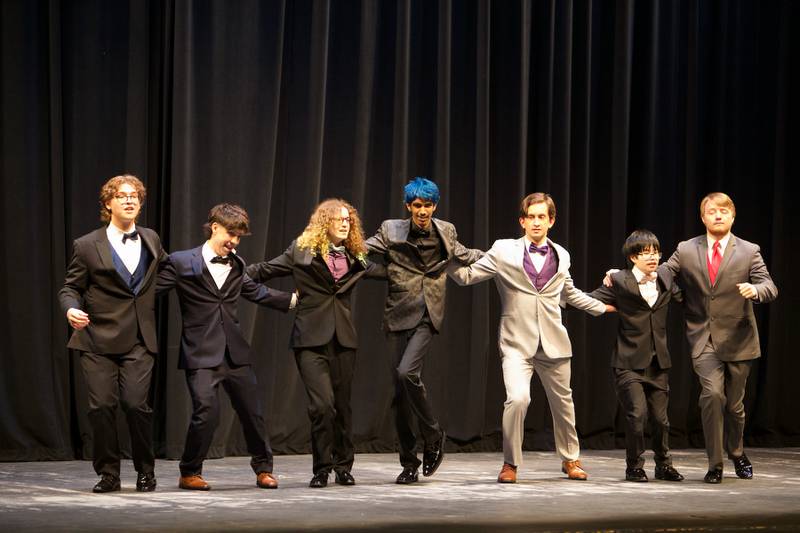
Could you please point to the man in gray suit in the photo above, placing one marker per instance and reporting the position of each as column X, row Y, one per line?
column 416, row 252
column 722, row 276
column 533, row 279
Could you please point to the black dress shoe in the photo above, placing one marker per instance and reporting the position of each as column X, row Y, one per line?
column 407, row 476
column 743, row 467
column 345, row 478
column 146, row 482
column 668, row 473
column 319, row 480
column 713, row 476
column 107, row 483
column 432, row 458
column 635, row 474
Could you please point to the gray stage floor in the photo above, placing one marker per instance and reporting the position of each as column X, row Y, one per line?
column 462, row 496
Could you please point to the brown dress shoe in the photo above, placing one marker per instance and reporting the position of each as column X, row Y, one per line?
column 573, row 470
column 265, row 480
column 193, row 483
column 508, row 474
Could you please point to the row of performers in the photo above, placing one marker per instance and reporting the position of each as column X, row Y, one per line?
column 117, row 270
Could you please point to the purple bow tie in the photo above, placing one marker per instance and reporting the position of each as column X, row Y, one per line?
column 543, row 249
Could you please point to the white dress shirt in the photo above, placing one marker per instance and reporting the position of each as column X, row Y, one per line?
column 723, row 242
column 218, row 271
column 648, row 289
column 128, row 252
column 536, row 258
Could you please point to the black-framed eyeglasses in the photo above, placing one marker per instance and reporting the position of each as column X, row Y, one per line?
column 121, row 196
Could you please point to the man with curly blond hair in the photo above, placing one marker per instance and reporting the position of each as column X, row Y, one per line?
column 416, row 251
column 109, row 299
column 326, row 261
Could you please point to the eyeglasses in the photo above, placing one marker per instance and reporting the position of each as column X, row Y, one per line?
column 648, row 255
column 121, row 196
column 339, row 220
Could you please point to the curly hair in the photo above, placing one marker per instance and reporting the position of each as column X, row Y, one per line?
column 315, row 237
column 110, row 188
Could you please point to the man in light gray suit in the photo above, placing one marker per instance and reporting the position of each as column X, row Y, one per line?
column 722, row 276
column 416, row 252
column 532, row 276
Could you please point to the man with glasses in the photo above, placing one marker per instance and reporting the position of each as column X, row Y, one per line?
column 533, row 279
column 640, row 359
column 109, row 298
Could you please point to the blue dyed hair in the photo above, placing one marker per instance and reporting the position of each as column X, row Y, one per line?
column 421, row 188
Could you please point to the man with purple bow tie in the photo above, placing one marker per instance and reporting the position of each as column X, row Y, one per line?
column 533, row 279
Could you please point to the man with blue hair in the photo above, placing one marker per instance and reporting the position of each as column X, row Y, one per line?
column 416, row 251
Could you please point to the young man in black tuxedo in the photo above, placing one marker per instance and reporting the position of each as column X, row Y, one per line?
column 109, row 298
column 326, row 261
column 209, row 280
column 640, row 359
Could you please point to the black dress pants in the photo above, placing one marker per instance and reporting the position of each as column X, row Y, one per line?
column 411, row 403
column 327, row 372
column 240, row 384
column 120, row 380
column 644, row 394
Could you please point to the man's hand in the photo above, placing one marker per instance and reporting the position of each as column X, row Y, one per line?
column 77, row 318
column 747, row 290
column 610, row 309
column 607, row 280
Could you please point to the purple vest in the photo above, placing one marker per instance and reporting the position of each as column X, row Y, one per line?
column 540, row 279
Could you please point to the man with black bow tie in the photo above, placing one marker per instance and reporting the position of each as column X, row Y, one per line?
column 640, row 359
column 109, row 298
column 532, row 277
column 416, row 252
column 209, row 280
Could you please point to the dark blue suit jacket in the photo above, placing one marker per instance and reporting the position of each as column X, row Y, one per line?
column 210, row 320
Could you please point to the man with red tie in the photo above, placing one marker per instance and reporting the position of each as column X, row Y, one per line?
column 722, row 276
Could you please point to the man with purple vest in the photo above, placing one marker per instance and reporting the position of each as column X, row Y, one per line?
column 533, row 279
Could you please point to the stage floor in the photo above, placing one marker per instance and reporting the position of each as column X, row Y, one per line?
column 462, row 496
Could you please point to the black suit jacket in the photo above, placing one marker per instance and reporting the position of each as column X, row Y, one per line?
column 413, row 287
column 118, row 317
column 210, row 319
column 642, row 329
column 324, row 306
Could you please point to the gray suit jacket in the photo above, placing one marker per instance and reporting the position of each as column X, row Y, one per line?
column 412, row 288
column 720, row 311
column 528, row 316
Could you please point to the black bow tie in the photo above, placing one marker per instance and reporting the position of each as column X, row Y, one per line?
column 227, row 260
column 538, row 249
column 134, row 236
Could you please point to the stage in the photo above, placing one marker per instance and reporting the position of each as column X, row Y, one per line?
column 462, row 496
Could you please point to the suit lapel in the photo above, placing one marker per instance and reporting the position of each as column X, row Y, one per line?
column 559, row 264
column 727, row 257
column 519, row 251
column 103, row 246
column 153, row 253
column 202, row 273
column 702, row 258
column 448, row 246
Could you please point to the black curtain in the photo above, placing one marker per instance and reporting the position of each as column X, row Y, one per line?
column 626, row 112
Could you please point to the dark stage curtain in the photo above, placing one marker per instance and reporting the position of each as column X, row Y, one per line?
column 626, row 112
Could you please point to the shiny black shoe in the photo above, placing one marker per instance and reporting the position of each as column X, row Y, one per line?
column 319, row 480
column 635, row 474
column 345, row 478
column 432, row 458
column 714, row 476
column 107, row 483
column 146, row 482
column 668, row 473
column 743, row 467
column 408, row 476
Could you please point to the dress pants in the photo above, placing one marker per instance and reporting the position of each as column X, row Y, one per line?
column 555, row 374
column 327, row 372
column 120, row 379
column 240, row 384
column 409, row 349
column 644, row 394
column 721, row 404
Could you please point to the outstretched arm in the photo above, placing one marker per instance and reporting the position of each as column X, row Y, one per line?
column 481, row 270
column 274, row 268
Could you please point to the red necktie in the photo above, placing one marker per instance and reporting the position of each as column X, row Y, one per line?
column 713, row 265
